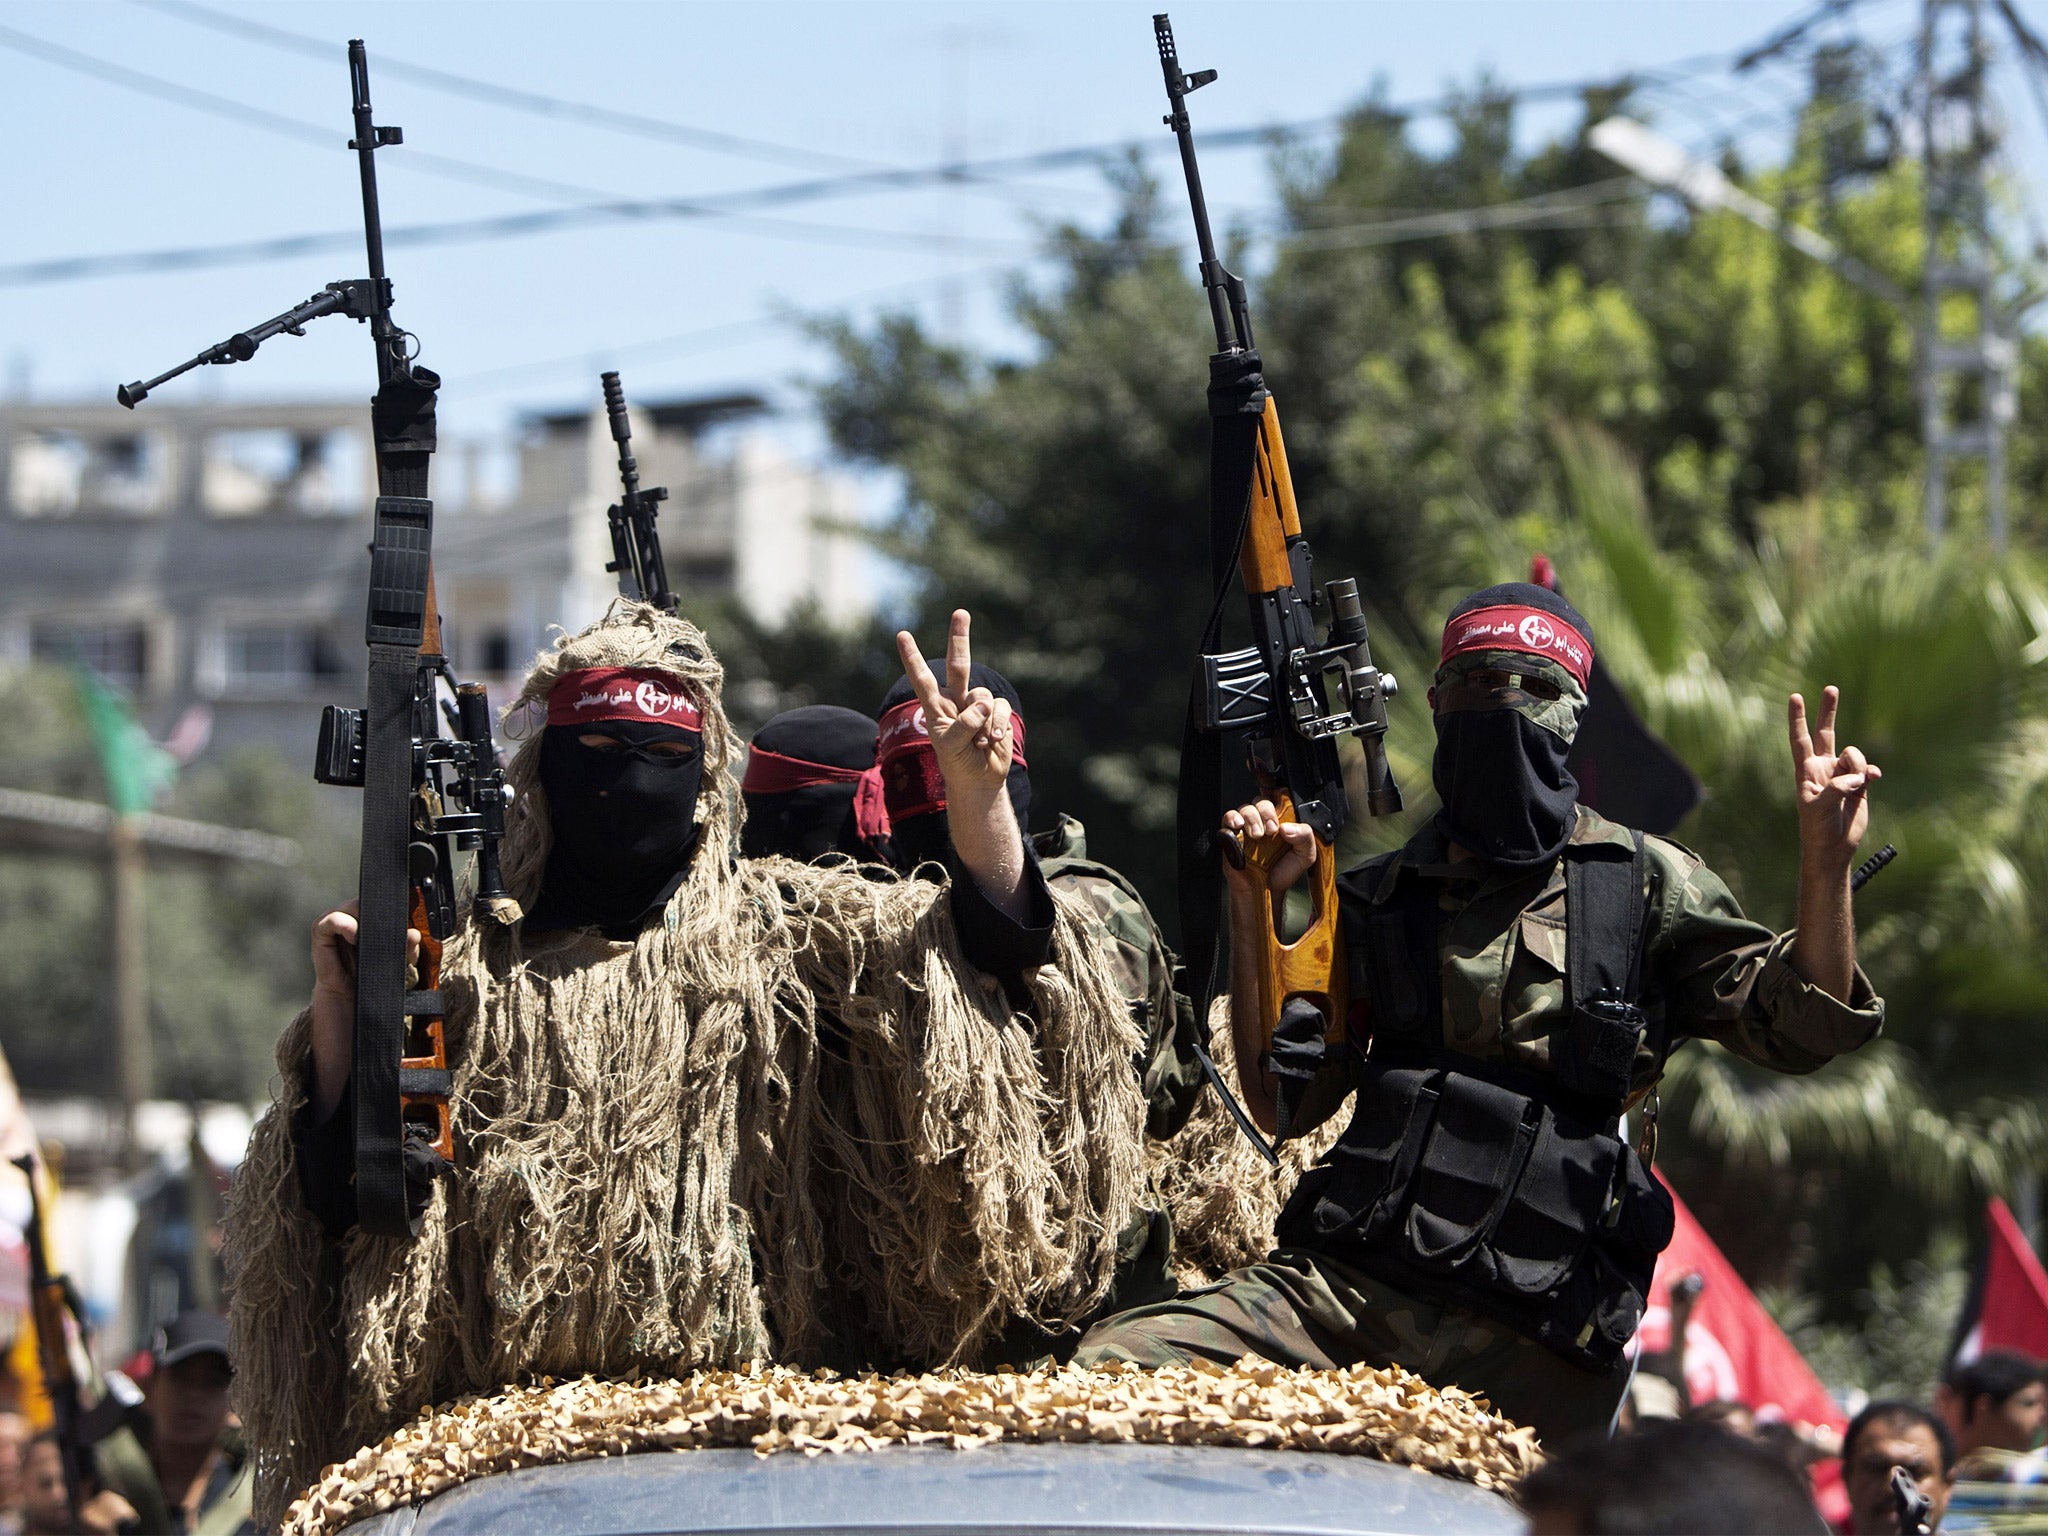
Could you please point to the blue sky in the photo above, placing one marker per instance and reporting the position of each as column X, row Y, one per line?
column 684, row 307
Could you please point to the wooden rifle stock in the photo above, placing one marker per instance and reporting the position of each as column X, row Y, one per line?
column 1313, row 965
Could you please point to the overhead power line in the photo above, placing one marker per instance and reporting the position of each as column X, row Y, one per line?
column 538, row 103
column 1794, row 33
column 728, row 205
column 556, row 108
column 276, row 122
column 430, row 163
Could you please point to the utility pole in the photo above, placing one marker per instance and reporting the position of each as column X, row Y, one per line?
column 135, row 1062
column 1958, row 136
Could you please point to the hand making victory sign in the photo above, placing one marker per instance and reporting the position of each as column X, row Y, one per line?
column 1833, row 796
column 973, row 738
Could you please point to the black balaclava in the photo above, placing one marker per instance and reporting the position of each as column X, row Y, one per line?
column 811, row 787
column 624, row 823
column 1500, row 772
column 910, row 769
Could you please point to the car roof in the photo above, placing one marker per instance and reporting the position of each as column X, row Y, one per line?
column 1008, row 1487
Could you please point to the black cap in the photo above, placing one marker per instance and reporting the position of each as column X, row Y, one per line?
column 190, row 1333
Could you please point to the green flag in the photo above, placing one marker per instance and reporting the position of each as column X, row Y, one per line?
column 137, row 770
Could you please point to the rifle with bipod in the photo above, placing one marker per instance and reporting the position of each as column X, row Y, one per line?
column 426, row 797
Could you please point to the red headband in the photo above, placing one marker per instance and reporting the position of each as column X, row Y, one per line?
column 1511, row 627
column 621, row 693
column 910, row 766
column 770, row 773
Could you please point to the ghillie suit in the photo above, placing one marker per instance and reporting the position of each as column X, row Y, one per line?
column 640, row 1182
column 1224, row 1197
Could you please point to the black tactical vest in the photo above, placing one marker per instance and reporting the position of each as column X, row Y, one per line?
column 1471, row 1181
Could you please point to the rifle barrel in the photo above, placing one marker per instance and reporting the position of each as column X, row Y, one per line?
column 1178, row 85
column 622, row 433
column 390, row 356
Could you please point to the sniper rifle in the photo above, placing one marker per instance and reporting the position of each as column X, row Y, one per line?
column 1275, row 690
column 636, row 547
column 411, row 776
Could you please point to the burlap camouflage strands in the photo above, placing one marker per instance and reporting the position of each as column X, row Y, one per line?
column 1223, row 1197
column 1143, row 967
column 791, row 1090
column 1360, row 1411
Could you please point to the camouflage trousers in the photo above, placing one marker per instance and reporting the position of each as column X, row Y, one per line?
column 1301, row 1308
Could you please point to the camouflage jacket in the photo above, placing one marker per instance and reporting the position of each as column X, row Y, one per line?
column 1145, row 969
column 1708, row 972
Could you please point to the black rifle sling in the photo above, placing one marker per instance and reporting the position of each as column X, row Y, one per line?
column 403, row 419
column 1605, row 905
column 1237, row 403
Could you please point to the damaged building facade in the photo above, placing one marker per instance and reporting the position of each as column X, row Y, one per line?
column 210, row 558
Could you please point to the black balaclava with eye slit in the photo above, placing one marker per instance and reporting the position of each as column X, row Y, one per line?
column 1500, row 773
column 624, row 822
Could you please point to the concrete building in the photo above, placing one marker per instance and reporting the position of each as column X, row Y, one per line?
column 743, row 518
column 210, row 557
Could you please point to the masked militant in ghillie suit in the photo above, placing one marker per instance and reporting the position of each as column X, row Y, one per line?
column 1519, row 973
column 698, row 1100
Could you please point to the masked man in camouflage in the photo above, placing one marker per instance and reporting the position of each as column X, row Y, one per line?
column 812, row 790
column 1126, row 937
column 1519, row 973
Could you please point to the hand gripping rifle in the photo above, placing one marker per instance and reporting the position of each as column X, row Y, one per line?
column 636, row 547
column 425, row 796
column 55, row 1308
column 1275, row 689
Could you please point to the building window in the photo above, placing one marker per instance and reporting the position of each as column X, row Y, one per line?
column 494, row 653
column 252, row 473
column 704, row 570
column 57, row 473
column 117, row 651
column 273, row 657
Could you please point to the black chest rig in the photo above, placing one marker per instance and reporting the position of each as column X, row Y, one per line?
column 1505, row 1190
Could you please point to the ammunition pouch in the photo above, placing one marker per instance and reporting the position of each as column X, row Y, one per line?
column 1461, row 1186
column 1506, row 1190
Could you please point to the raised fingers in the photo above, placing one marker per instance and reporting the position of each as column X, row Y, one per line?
column 1824, row 729
column 1802, row 742
column 959, row 656
column 921, row 680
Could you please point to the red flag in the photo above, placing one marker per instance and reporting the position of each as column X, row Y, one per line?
column 2008, row 1306
column 1733, row 1350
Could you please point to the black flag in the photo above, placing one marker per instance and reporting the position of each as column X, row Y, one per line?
column 1624, row 772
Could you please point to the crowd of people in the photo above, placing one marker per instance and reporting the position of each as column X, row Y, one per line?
column 1905, row 1467
column 165, row 1457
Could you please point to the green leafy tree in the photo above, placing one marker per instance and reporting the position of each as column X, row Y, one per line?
column 225, row 943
